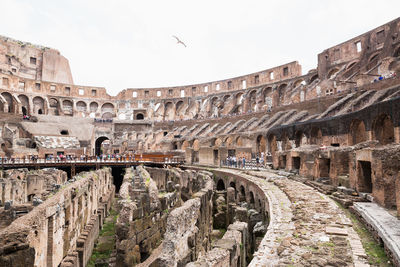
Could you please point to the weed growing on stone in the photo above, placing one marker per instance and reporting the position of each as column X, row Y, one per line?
column 106, row 240
column 375, row 253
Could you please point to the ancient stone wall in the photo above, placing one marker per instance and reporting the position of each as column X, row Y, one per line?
column 60, row 231
column 19, row 186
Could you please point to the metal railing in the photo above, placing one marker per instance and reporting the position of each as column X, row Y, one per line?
column 90, row 160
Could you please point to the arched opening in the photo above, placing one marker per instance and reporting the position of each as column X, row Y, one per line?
column 9, row 99
column 99, row 141
column 357, row 132
column 316, row 136
column 239, row 141
column 54, row 107
column 252, row 101
column 281, row 93
column 252, row 201
column 179, row 108
column 185, row 145
column 233, row 185
column 81, row 106
column 174, row 145
column 24, row 111
column 107, row 110
column 139, row 116
column 261, row 144
column 332, row 72
column 68, row 107
column 373, row 61
column 40, row 111
column 220, row 185
column 64, row 132
column 93, row 107
column 351, row 65
column 300, row 139
column 242, row 193
column 313, row 78
column 169, row 113
column 383, row 129
column 25, row 104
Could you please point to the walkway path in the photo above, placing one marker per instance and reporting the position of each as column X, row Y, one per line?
column 307, row 228
column 386, row 225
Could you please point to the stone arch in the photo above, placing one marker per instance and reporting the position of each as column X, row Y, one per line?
column 81, row 106
column 38, row 105
column 107, row 115
column 351, row 64
column 24, row 104
column 10, row 101
column 229, row 141
column 298, row 82
column 313, row 78
column 219, row 142
column 68, row 107
column 196, row 145
column 332, row 72
column 169, row 111
column 98, row 143
column 220, row 185
column 232, row 184
column 252, row 199
column 226, row 97
column 383, row 130
column 239, row 102
column 242, row 193
column 93, row 106
column 54, row 107
column 316, row 136
column 185, row 144
column 281, row 93
column 239, row 141
column 252, row 100
column 357, row 132
column 373, row 61
column 261, row 144
column 140, row 116
column 107, row 107
column 179, row 108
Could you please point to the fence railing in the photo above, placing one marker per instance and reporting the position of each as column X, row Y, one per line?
column 144, row 159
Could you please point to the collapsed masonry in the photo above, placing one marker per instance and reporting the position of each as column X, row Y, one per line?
column 60, row 231
column 183, row 211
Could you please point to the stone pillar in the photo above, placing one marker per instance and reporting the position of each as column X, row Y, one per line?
column 30, row 106
column 397, row 135
column 397, row 193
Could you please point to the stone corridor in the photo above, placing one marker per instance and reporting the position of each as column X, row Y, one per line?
column 306, row 227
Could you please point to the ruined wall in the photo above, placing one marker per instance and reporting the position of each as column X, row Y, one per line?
column 230, row 250
column 143, row 216
column 60, row 231
column 19, row 186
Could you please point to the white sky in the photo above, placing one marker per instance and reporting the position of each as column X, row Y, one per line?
column 128, row 44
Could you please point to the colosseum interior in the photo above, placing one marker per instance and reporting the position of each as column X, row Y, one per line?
column 274, row 168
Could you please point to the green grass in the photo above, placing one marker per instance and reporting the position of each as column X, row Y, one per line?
column 375, row 253
column 104, row 249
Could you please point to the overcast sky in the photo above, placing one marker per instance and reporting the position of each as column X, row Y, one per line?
column 128, row 44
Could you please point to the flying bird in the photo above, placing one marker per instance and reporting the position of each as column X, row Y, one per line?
column 179, row 41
